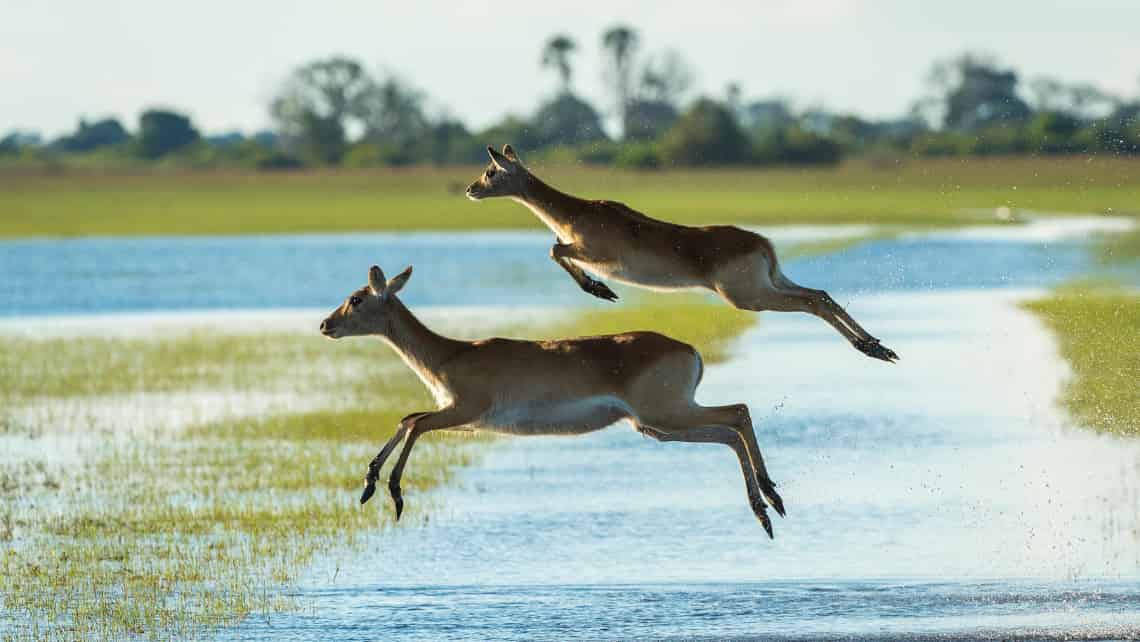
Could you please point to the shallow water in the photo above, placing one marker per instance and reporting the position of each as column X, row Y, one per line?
column 58, row 277
column 942, row 497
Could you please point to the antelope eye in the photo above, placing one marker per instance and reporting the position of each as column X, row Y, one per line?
column 354, row 301
column 490, row 172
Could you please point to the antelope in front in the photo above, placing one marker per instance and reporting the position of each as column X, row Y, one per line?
column 612, row 240
column 560, row 387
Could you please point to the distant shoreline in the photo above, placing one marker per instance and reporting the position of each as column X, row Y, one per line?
column 922, row 193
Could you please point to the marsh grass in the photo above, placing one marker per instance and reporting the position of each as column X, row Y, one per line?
column 1121, row 248
column 173, row 532
column 1098, row 325
column 197, row 360
column 912, row 192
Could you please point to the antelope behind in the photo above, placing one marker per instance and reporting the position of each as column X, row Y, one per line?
column 558, row 387
column 612, row 240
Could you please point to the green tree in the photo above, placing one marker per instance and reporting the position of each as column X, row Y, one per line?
column 556, row 55
column 706, row 134
column 1052, row 132
column 16, row 140
column 620, row 43
column 324, row 140
column 567, row 120
column 648, row 119
column 451, row 143
column 975, row 94
column 665, row 79
column 162, row 131
column 763, row 117
column 519, row 132
column 89, row 136
column 318, row 104
column 393, row 114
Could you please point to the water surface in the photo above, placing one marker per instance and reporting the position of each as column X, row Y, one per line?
column 132, row 274
column 942, row 497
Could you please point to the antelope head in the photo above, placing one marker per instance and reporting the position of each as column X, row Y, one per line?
column 504, row 176
column 369, row 309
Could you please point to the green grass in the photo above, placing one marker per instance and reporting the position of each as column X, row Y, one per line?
column 1098, row 326
column 172, row 532
column 194, row 361
column 1122, row 248
column 914, row 192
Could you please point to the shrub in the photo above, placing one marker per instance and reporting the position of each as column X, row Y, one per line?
column 707, row 134
column 639, row 156
column 598, row 153
column 161, row 132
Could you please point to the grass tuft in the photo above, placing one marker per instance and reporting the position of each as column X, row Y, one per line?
column 1098, row 325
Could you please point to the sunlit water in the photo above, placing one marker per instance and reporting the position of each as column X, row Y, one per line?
column 942, row 497
column 115, row 275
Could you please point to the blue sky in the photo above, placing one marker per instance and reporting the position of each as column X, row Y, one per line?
column 222, row 61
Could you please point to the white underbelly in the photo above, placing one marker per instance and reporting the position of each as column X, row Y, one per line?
column 644, row 272
column 554, row 417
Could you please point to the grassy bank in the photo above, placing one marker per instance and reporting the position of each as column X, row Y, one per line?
column 913, row 192
column 1122, row 248
column 1098, row 326
column 115, row 526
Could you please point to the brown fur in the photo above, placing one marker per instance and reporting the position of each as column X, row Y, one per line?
column 611, row 239
column 561, row 386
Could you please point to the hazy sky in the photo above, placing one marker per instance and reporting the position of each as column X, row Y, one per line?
column 221, row 61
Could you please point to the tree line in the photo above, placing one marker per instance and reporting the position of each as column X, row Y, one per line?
column 335, row 112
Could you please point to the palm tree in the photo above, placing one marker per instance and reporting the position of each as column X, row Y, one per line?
column 620, row 41
column 556, row 54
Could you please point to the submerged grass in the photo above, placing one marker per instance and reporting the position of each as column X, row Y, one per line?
column 910, row 192
column 171, row 533
column 1098, row 326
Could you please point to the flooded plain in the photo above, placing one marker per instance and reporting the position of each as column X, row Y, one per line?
column 946, row 496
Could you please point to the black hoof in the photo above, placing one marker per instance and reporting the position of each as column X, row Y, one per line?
column 775, row 500
column 369, row 490
column 872, row 348
column 600, row 290
column 761, row 513
column 399, row 507
column 766, row 523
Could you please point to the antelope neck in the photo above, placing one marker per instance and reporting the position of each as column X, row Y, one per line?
column 557, row 210
column 422, row 349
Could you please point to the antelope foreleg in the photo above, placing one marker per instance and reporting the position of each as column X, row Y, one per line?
column 378, row 461
column 562, row 254
column 421, row 424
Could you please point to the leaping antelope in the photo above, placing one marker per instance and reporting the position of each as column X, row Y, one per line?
column 559, row 387
column 612, row 240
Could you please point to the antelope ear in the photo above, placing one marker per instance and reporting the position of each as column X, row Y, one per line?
column 500, row 161
column 397, row 282
column 509, row 152
column 376, row 280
